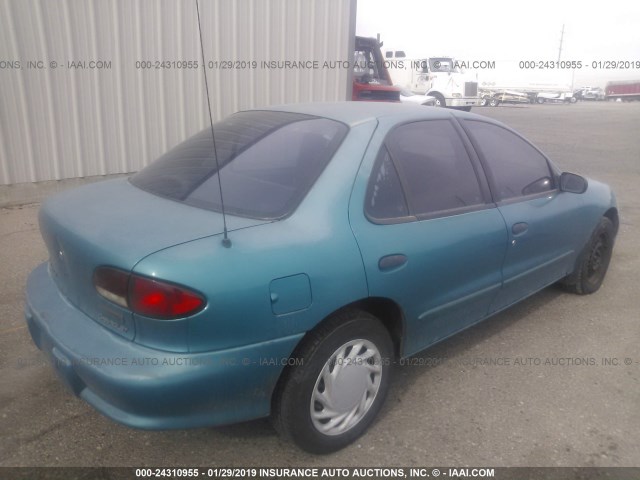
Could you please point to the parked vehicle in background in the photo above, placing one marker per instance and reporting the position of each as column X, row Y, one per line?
column 406, row 96
column 550, row 90
column 623, row 90
column 593, row 93
column 589, row 93
column 493, row 98
column 438, row 77
column 371, row 80
column 558, row 97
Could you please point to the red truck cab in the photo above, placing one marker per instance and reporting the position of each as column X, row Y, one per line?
column 371, row 80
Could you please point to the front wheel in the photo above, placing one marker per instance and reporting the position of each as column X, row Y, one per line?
column 593, row 261
column 330, row 398
column 494, row 102
column 440, row 102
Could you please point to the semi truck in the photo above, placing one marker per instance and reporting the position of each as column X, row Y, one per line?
column 589, row 93
column 623, row 90
column 438, row 77
column 371, row 80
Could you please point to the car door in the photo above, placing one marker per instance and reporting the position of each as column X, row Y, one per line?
column 430, row 238
column 541, row 221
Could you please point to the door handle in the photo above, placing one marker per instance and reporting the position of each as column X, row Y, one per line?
column 389, row 262
column 519, row 228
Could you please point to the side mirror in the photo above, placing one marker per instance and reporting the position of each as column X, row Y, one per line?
column 572, row 183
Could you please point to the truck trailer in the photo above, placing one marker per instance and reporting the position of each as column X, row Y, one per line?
column 625, row 90
column 518, row 93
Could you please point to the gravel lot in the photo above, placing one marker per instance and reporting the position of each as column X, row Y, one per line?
column 443, row 409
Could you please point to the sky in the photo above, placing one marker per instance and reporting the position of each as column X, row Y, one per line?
column 510, row 32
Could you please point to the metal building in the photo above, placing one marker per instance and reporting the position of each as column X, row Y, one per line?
column 92, row 87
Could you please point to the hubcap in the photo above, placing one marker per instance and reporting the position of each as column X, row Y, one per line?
column 346, row 387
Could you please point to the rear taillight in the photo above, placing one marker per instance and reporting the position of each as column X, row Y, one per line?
column 157, row 299
column 146, row 296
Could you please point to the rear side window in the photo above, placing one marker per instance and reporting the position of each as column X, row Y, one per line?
column 385, row 198
column 434, row 166
column 268, row 162
column 517, row 168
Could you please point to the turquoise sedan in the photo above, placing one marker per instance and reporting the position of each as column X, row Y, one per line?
column 283, row 268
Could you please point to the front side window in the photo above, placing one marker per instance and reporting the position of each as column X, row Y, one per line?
column 268, row 162
column 517, row 168
column 436, row 172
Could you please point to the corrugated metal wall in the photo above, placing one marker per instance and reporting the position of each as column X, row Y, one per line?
column 59, row 121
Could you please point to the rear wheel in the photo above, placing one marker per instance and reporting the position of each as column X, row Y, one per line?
column 593, row 261
column 494, row 102
column 331, row 398
column 540, row 100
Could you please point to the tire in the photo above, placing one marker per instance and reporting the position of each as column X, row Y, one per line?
column 573, row 100
column 494, row 102
column 540, row 100
column 484, row 101
column 440, row 102
column 593, row 262
column 301, row 410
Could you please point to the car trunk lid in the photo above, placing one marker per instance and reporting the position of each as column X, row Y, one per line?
column 114, row 223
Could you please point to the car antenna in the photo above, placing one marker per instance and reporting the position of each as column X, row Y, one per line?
column 225, row 239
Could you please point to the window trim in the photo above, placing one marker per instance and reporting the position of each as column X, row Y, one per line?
column 477, row 167
column 553, row 171
column 376, row 165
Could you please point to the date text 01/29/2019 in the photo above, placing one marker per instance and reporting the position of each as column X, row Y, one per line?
column 579, row 65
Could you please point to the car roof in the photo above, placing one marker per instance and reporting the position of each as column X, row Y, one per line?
column 353, row 113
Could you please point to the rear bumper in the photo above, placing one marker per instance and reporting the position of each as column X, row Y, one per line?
column 146, row 388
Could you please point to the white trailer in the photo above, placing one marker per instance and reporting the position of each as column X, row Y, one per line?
column 537, row 88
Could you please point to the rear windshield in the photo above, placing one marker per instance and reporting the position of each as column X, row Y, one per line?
column 268, row 162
